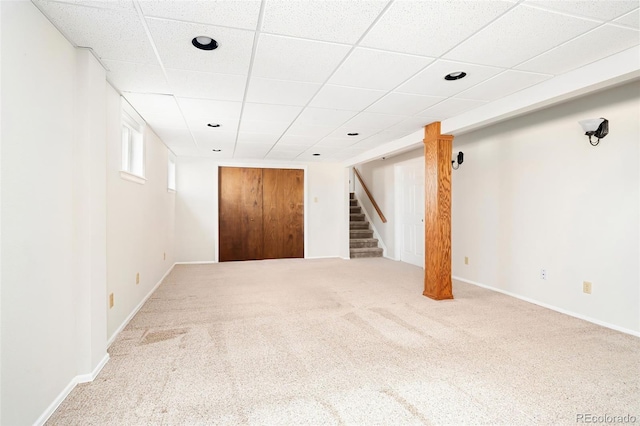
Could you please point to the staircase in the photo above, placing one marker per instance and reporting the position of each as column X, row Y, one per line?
column 361, row 241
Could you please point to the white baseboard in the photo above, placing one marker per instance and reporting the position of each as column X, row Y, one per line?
column 137, row 308
column 85, row 378
column 322, row 257
column 553, row 308
column 200, row 262
column 82, row 378
column 56, row 403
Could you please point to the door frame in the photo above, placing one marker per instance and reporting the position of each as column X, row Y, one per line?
column 397, row 200
column 258, row 165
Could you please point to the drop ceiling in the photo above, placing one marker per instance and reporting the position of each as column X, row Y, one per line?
column 291, row 78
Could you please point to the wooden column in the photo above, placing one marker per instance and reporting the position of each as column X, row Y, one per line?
column 437, row 213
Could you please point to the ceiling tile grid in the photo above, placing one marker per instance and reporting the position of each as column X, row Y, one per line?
column 518, row 36
column 287, row 58
column 336, row 21
column 431, row 28
column 113, row 33
column 290, row 79
column 204, row 85
column 236, row 14
column 173, row 41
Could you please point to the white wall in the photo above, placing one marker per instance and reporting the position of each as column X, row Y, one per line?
column 140, row 221
column 379, row 176
column 197, row 209
column 533, row 194
column 38, row 313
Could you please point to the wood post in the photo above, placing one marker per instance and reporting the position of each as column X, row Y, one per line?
column 437, row 213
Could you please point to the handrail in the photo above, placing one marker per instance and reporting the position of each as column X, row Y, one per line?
column 375, row 205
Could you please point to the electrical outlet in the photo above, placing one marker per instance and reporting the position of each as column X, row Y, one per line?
column 466, row 260
column 543, row 274
column 111, row 300
column 138, row 278
column 586, row 287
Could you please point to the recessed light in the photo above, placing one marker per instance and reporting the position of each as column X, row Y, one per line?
column 213, row 125
column 316, row 155
column 353, row 134
column 455, row 75
column 216, row 150
column 204, row 43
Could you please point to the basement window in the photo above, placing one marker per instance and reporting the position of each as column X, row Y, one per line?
column 171, row 175
column 132, row 145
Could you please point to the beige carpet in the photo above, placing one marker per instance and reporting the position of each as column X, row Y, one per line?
column 322, row 342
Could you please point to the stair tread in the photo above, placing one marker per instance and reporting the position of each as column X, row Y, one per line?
column 365, row 249
column 363, row 240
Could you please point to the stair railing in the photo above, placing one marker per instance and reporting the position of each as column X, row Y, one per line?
column 373, row 201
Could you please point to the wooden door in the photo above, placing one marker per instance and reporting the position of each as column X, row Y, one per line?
column 261, row 213
column 240, row 214
column 283, row 213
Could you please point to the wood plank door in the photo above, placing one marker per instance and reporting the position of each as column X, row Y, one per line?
column 240, row 214
column 283, row 213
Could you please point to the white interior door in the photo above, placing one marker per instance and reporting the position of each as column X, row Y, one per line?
column 411, row 203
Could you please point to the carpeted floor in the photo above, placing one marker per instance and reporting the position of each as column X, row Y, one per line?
column 322, row 342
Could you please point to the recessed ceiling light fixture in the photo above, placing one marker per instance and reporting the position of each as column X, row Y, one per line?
column 316, row 155
column 353, row 134
column 213, row 125
column 455, row 75
column 204, row 43
column 216, row 150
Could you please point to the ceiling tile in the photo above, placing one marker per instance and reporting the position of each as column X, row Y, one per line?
column 200, row 112
column 294, row 140
column 450, row 107
column 600, row 10
column 263, row 112
column 132, row 77
column 324, row 117
column 251, row 150
column 335, row 142
column 173, row 41
column 267, row 127
column 238, row 14
column 309, row 130
column 348, row 98
column 194, row 84
column 412, row 124
column 599, row 43
column 158, row 110
column 213, row 139
column 263, row 139
column 337, row 21
column 631, row 19
column 280, row 147
column 103, row 4
column 368, row 121
column 403, row 103
column 519, row 35
column 430, row 28
column 114, row 34
column 281, row 155
column 287, row 58
column 374, row 69
column 175, row 139
column 342, row 132
column 502, row 85
column 267, row 91
column 431, row 81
